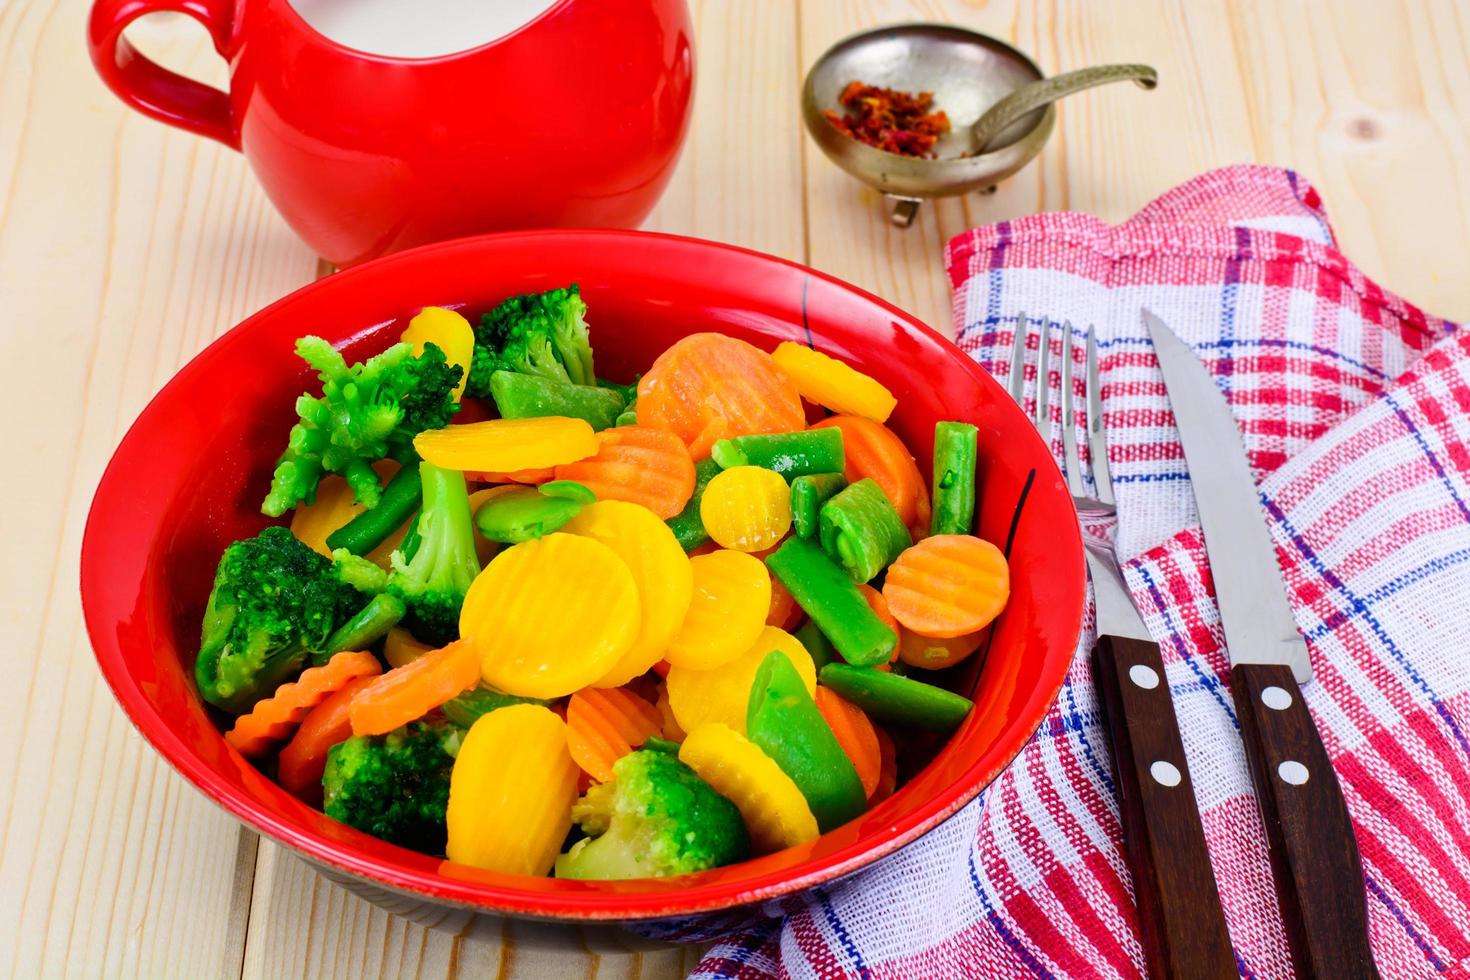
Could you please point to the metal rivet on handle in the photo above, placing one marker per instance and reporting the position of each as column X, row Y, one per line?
column 1144, row 676
column 1276, row 698
column 1293, row 772
column 1165, row 773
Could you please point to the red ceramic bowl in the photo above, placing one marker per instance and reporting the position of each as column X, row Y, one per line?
column 190, row 474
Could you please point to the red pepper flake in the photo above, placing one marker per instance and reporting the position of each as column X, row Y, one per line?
column 899, row 122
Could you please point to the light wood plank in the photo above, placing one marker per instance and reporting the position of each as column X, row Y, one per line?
column 125, row 247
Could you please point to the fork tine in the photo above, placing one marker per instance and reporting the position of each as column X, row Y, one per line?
column 1016, row 382
column 1072, row 464
column 1043, row 382
column 1097, row 447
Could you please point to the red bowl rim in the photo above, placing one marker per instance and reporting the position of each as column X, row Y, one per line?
column 588, row 906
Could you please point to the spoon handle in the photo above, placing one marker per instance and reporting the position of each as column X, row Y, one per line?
column 1029, row 98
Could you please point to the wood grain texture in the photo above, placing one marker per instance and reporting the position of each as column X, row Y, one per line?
column 126, row 246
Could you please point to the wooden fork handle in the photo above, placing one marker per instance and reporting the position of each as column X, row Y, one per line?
column 1180, row 918
column 1314, row 853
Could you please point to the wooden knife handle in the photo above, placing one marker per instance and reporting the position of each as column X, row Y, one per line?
column 1180, row 919
column 1314, row 854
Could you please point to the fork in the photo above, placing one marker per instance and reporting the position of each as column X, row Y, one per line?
column 1180, row 919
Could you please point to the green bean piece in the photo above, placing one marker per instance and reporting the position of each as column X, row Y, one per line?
column 687, row 525
column 570, row 489
column 808, row 494
column 371, row 623
column 783, row 720
column 400, row 498
column 955, row 450
column 655, row 744
column 816, row 644
column 899, row 700
column 523, row 514
column 788, row 453
column 465, row 709
column 826, row 593
column 861, row 531
column 628, row 391
column 526, row 396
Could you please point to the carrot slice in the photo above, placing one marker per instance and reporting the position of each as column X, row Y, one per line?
column 605, row 724
column 709, row 387
column 856, row 734
column 304, row 759
column 784, row 614
column 887, row 769
column 947, row 585
column 411, row 691
column 277, row 716
column 936, row 653
column 538, row 475
column 872, row 450
column 638, row 465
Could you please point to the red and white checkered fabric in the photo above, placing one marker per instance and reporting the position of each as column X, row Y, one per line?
column 1355, row 407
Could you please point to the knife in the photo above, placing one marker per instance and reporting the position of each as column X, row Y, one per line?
column 1314, row 854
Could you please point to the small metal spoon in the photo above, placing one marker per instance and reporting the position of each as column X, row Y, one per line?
column 1028, row 98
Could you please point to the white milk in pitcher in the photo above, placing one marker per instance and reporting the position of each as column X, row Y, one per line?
column 417, row 28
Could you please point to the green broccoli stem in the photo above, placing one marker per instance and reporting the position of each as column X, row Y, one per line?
column 433, row 583
column 400, row 498
column 370, row 625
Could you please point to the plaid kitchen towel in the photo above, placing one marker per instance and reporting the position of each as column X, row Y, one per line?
column 1355, row 407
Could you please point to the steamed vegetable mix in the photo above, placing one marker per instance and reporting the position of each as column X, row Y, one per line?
column 641, row 610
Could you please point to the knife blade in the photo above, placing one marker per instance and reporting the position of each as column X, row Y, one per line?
column 1315, row 861
column 1259, row 626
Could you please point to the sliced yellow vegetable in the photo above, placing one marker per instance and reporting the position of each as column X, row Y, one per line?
column 732, row 595
column 400, row 647
column 699, row 697
column 776, row 814
column 447, row 330
column 551, row 616
column 511, row 792
column 506, row 445
column 334, row 507
column 746, row 508
column 828, row 381
column 660, row 571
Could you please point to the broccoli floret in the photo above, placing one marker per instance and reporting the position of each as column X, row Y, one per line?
column 655, row 818
column 274, row 601
column 367, row 412
column 433, row 583
column 542, row 334
column 394, row 786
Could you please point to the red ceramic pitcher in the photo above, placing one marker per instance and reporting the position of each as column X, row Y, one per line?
column 575, row 118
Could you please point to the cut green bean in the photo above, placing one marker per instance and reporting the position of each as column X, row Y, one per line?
column 816, row 644
column 465, row 709
column 655, row 744
column 523, row 514
column 788, row 453
column 861, row 531
column 525, row 396
column 826, row 593
column 687, row 525
column 368, row 626
column 570, row 489
column 898, row 700
column 400, row 498
column 955, row 449
column 808, row 494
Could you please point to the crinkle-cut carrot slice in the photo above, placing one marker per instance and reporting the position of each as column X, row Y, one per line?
column 731, row 599
column 553, row 615
column 723, row 693
column 873, row 451
column 947, row 585
column 603, row 725
column 887, row 769
column 708, row 387
column 661, row 573
column 856, row 734
column 507, row 445
column 302, row 762
column 936, row 653
column 407, row 693
column 638, row 465
column 775, row 812
column 276, row 718
column 825, row 380
column 543, row 474
column 746, row 508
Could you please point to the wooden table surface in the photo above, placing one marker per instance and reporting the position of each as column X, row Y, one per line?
column 126, row 246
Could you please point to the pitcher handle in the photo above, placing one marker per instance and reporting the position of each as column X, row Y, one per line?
column 151, row 89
